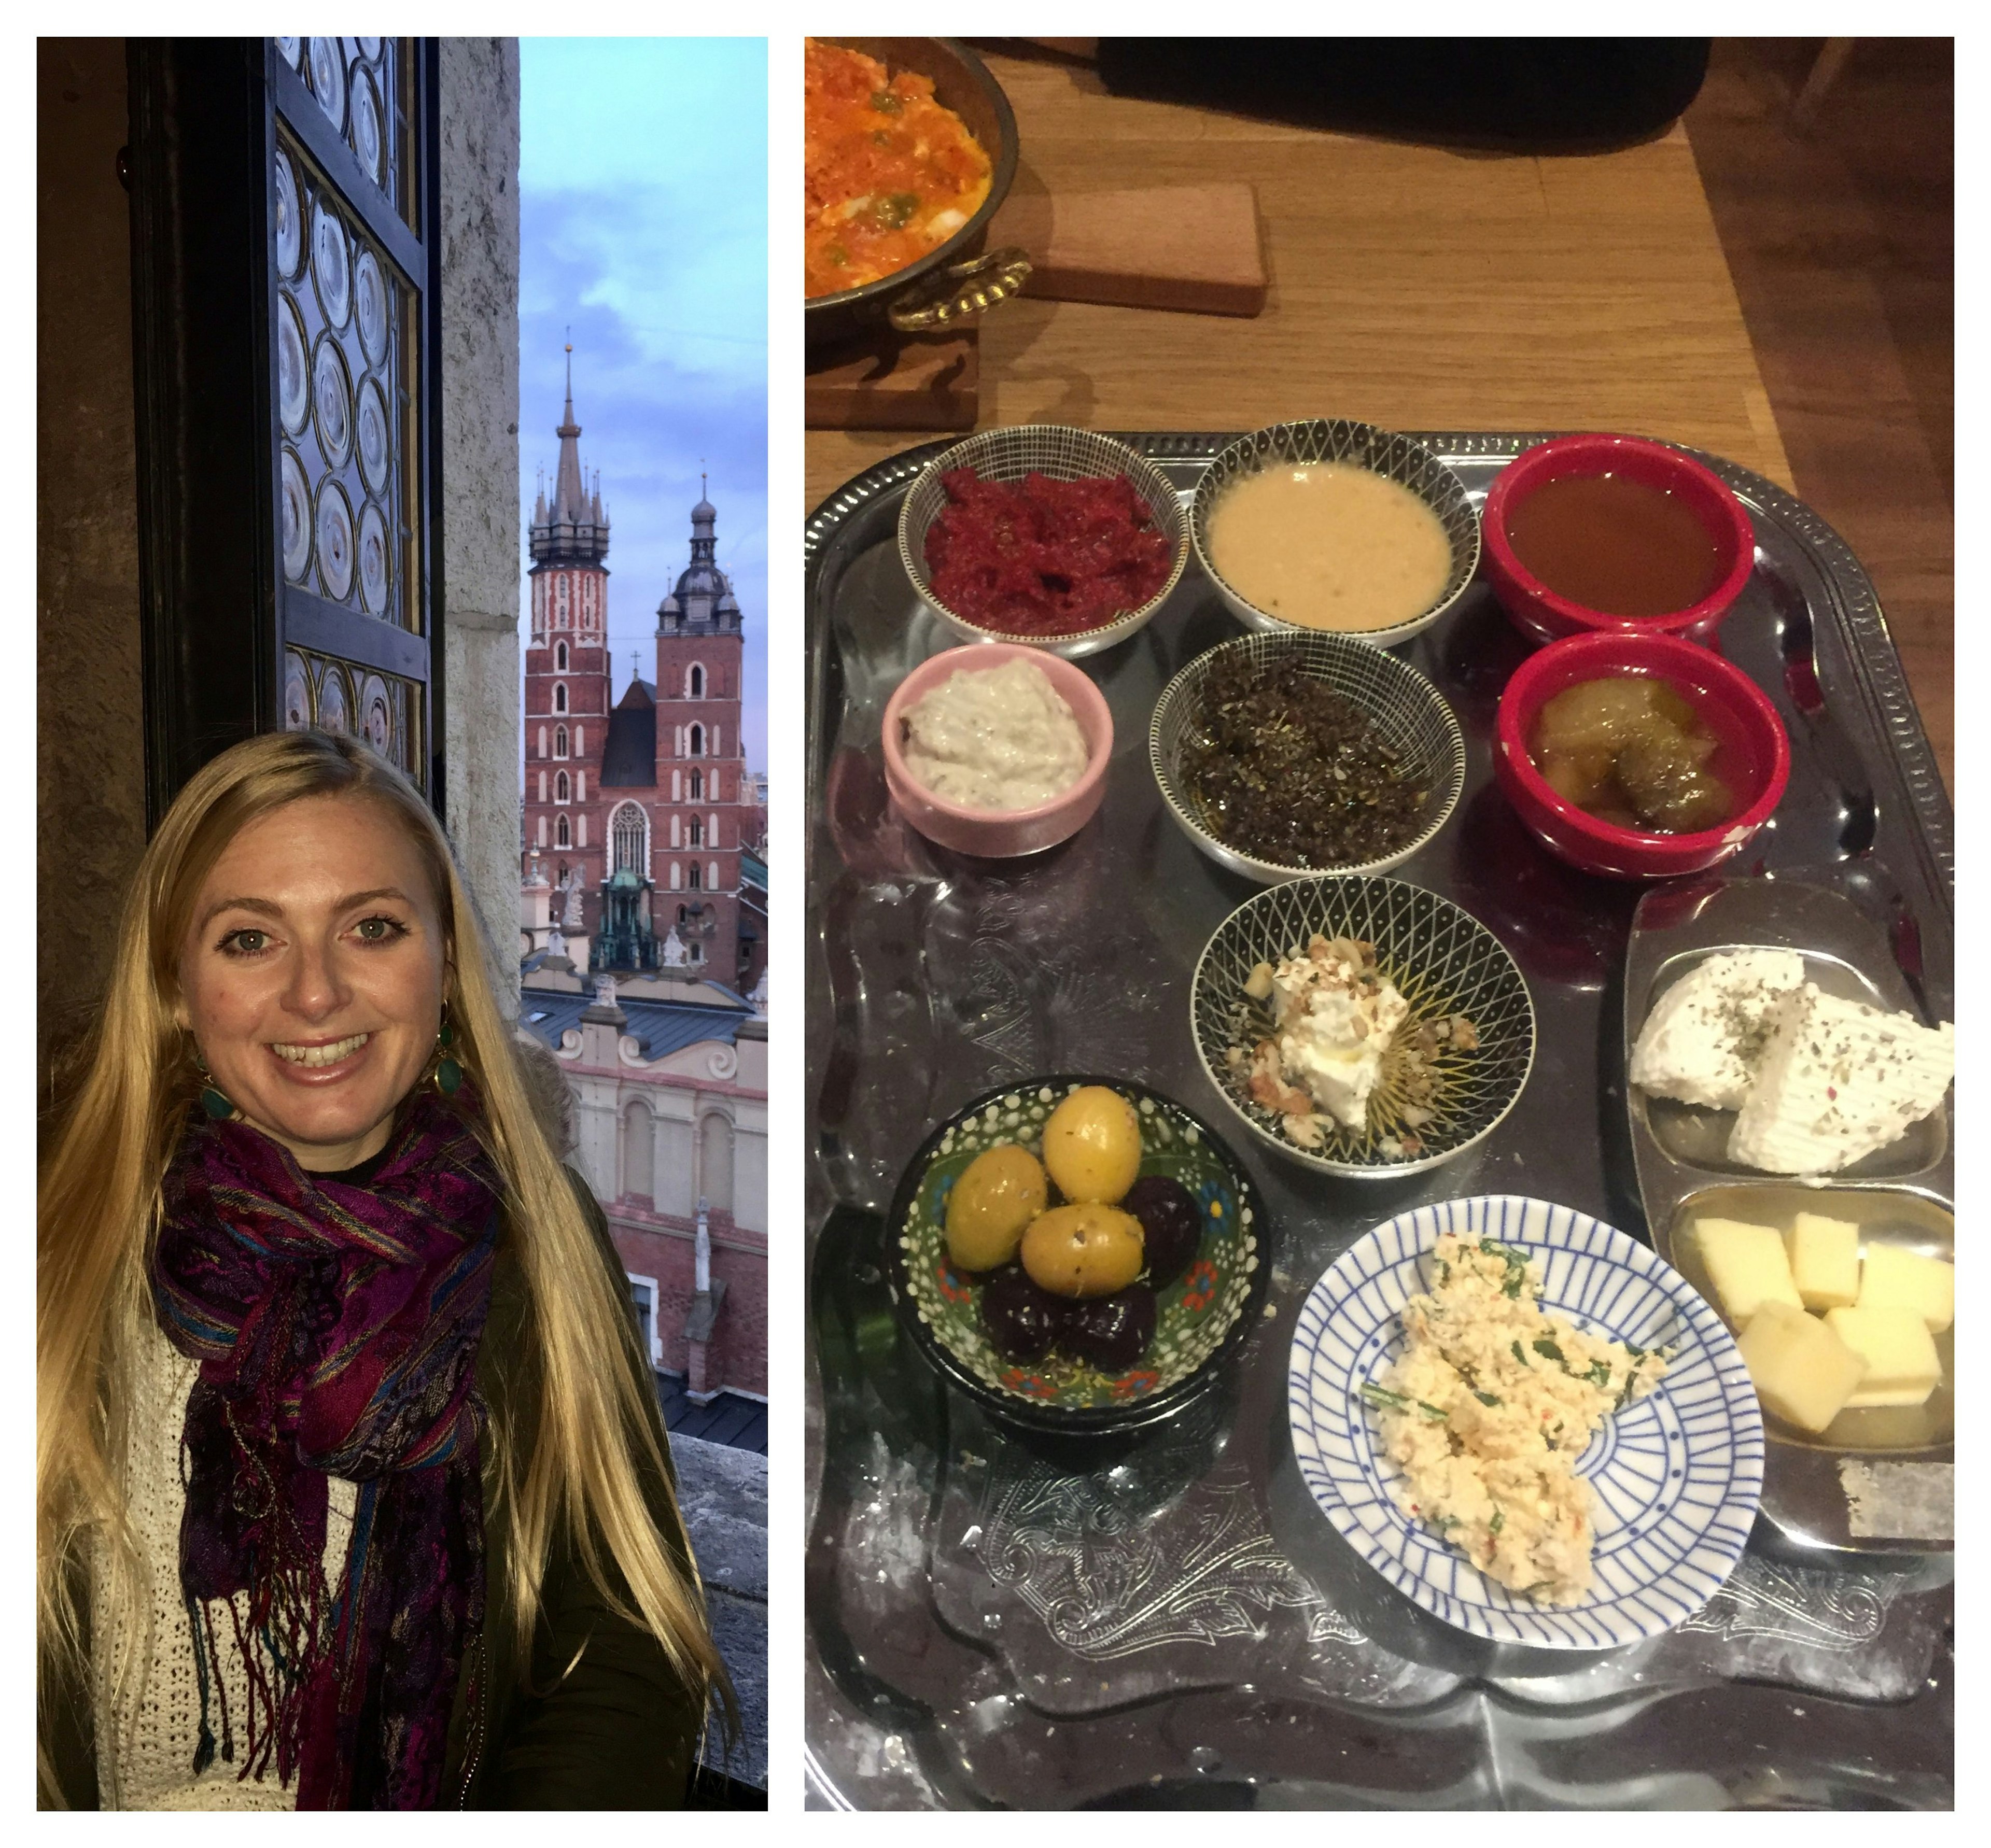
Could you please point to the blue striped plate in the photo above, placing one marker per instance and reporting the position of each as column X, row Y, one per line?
column 1677, row 1476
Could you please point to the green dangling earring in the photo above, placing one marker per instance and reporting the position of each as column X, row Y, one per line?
column 213, row 1100
column 448, row 1073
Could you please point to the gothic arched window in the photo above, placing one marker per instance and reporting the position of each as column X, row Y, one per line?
column 628, row 831
column 697, row 747
column 698, row 785
column 561, row 787
column 696, row 687
column 692, row 877
column 697, row 832
column 559, row 741
column 559, row 658
column 561, row 837
column 559, row 696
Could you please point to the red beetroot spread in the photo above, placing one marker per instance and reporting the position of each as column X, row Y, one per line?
column 1041, row 557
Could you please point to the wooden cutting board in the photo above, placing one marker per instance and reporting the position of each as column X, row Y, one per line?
column 928, row 381
column 1191, row 248
column 1195, row 248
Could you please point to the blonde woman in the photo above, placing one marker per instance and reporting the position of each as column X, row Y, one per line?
column 351, row 1489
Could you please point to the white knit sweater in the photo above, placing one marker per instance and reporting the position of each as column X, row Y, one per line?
column 147, row 1732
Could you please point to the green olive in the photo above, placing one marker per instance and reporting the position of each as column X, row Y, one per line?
column 1087, row 1249
column 997, row 1194
column 1092, row 1145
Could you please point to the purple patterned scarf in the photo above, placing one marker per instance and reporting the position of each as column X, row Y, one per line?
column 337, row 1327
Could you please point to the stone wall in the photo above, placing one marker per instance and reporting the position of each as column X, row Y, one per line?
column 480, row 461
column 90, row 700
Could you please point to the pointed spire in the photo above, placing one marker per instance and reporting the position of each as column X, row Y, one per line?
column 570, row 497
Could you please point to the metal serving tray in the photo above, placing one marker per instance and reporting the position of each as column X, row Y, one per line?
column 1877, row 1481
column 997, row 1620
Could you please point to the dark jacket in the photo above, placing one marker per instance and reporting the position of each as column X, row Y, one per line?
column 620, row 1731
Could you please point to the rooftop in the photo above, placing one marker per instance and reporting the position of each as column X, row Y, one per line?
column 660, row 1027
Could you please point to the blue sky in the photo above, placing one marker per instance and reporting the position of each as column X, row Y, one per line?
column 643, row 210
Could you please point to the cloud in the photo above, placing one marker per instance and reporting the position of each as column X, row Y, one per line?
column 643, row 209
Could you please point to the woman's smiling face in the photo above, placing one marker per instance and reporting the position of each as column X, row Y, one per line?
column 312, row 975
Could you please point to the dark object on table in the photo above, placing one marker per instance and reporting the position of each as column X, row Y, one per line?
column 1171, row 1225
column 1111, row 1332
column 1521, row 96
column 1022, row 1316
column 1287, row 770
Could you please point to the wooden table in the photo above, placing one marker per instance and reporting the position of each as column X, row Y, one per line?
column 1415, row 287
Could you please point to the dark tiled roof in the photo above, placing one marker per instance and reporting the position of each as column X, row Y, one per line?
column 629, row 758
column 660, row 1027
column 731, row 1418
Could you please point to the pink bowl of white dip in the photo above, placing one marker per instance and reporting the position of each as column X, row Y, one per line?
column 999, row 833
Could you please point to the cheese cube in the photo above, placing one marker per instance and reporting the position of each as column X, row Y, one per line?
column 1824, row 1260
column 1893, row 1279
column 1803, row 1372
column 1746, row 1266
column 1902, row 1365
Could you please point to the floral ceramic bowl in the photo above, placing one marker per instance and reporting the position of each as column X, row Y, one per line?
column 1202, row 1315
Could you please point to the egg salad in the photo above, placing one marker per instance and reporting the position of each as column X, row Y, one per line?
column 1487, row 1410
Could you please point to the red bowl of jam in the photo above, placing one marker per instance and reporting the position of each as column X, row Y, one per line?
column 1615, row 534
column 1751, row 756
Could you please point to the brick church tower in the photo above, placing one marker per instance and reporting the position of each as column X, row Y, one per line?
column 673, row 782
column 567, row 683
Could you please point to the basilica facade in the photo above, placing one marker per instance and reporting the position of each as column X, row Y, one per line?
column 642, row 809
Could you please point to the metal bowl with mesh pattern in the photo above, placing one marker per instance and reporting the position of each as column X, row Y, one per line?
column 1441, row 959
column 1399, row 458
column 1411, row 713
column 1064, row 454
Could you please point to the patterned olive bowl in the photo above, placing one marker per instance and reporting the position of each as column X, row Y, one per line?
column 1065, row 454
column 1410, row 712
column 1446, row 963
column 1201, row 1317
column 1398, row 458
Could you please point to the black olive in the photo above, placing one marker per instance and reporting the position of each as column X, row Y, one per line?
column 1022, row 1318
column 1170, row 1224
column 1111, row 1332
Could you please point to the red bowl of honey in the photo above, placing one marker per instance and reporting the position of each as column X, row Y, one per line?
column 1741, row 751
column 1615, row 534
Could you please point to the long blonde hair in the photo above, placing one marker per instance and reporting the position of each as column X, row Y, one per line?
column 577, row 1475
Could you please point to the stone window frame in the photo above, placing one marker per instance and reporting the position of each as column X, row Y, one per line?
column 629, row 806
column 559, row 741
column 638, row 1281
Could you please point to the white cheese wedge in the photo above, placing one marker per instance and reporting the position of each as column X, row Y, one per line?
column 1824, row 1260
column 1746, row 1266
column 1803, row 1372
column 1893, row 1279
column 1837, row 1081
column 1902, row 1368
column 1700, row 1042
